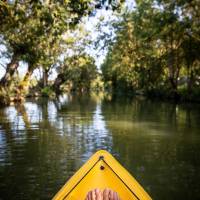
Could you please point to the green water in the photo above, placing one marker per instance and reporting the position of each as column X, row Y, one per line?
column 43, row 142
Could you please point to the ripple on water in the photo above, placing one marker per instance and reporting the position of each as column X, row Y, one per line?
column 43, row 143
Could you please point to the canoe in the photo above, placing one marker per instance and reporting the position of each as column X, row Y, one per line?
column 102, row 171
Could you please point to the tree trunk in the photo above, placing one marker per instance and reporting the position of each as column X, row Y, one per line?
column 174, row 70
column 10, row 70
column 60, row 79
column 174, row 83
column 190, row 81
column 24, row 86
column 45, row 77
column 27, row 77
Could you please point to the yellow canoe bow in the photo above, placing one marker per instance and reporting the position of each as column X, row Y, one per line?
column 102, row 171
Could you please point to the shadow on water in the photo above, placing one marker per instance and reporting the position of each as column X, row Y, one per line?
column 159, row 144
column 43, row 142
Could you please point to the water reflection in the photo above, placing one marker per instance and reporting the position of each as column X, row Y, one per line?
column 161, row 144
column 43, row 142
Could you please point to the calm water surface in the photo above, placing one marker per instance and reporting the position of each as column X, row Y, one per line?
column 43, row 142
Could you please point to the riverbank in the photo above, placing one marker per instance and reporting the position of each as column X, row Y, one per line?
column 180, row 96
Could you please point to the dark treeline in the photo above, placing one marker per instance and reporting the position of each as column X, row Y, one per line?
column 156, row 50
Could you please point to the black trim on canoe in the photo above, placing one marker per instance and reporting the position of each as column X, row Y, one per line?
column 121, row 180
column 102, row 158
column 82, row 178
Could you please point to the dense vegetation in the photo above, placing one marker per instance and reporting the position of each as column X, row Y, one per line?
column 43, row 34
column 156, row 50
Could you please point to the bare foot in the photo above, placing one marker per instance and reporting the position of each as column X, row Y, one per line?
column 95, row 194
column 109, row 194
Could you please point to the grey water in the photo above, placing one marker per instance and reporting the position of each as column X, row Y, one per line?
column 43, row 142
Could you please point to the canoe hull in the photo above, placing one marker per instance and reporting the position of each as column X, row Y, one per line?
column 102, row 171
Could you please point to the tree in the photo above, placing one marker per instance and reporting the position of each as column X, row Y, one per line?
column 79, row 70
column 154, row 44
column 133, row 60
column 33, row 31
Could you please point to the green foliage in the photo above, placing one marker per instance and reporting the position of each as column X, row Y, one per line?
column 35, row 32
column 80, row 70
column 4, row 97
column 156, row 44
column 97, row 84
column 47, row 92
column 193, row 95
column 11, row 94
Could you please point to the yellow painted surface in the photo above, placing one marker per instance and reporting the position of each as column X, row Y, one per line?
column 113, row 176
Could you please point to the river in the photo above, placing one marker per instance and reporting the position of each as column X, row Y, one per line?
column 43, row 142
